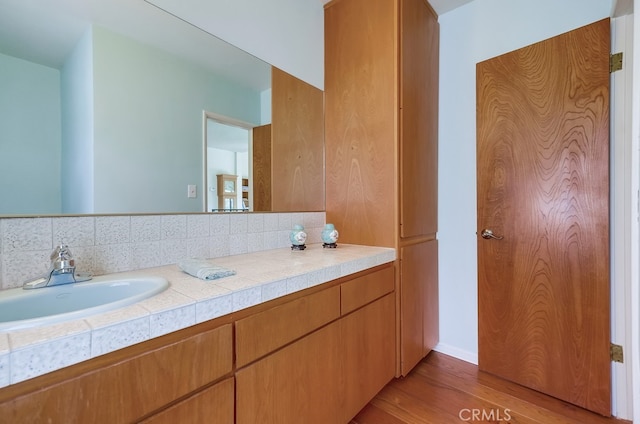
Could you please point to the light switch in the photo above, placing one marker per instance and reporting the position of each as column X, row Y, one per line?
column 191, row 191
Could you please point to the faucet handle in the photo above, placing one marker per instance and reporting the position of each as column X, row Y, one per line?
column 61, row 258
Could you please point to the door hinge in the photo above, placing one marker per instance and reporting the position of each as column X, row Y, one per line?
column 615, row 62
column 616, row 353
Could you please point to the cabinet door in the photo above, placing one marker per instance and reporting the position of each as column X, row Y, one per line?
column 418, row 302
column 419, row 119
column 369, row 353
column 262, row 168
column 297, row 384
column 361, row 111
column 212, row 405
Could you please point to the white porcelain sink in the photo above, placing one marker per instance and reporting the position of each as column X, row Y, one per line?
column 29, row 308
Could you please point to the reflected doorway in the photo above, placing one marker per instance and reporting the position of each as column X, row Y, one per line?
column 227, row 164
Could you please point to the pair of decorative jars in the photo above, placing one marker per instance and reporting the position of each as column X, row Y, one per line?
column 298, row 237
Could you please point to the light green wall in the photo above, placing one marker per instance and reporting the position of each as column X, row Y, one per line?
column 148, row 124
column 29, row 138
column 77, row 128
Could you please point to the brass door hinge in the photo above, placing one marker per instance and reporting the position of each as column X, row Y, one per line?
column 616, row 353
column 615, row 62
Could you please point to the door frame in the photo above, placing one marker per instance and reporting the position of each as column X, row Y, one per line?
column 223, row 119
column 625, row 237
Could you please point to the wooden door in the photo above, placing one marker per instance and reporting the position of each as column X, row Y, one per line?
column 543, row 185
column 262, row 168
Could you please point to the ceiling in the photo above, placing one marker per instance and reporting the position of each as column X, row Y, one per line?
column 24, row 24
column 46, row 31
column 439, row 6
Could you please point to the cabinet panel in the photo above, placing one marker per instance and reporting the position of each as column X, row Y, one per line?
column 431, row 311
column 360, row 120
column 419, row 35
column 418, row 302
column 127, row 390
column 297, row 384
column 362, row 290
column 267, row 331
column 298, row 151
column 369, row 353
column 262, row 168
column 212, row 405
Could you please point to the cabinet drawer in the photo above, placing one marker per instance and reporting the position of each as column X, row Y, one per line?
column 362, row 290
column 212, row 405
column 264, row 332
column 130, row 388
column 300, row 383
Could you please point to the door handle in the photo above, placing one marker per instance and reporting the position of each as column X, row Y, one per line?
column 488, row 234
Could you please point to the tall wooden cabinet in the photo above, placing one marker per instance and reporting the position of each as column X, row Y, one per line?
column 381, row 103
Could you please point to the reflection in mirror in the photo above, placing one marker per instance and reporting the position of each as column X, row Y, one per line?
column 106, row 116
column 227, row 184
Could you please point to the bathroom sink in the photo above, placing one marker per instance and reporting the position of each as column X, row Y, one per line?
column 29, row 308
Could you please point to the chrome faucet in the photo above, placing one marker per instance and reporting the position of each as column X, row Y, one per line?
column 62, row 271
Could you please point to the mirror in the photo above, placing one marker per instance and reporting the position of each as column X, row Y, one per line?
column 107, row 114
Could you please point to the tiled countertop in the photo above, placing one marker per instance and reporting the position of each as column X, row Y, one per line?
column 260, row 277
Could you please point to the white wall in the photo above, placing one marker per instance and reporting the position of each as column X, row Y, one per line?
column 288, row 34
column 470, row 34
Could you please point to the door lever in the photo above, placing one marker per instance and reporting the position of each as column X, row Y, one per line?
column 488, row 234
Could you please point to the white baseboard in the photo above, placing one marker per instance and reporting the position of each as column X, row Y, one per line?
column 458, row 353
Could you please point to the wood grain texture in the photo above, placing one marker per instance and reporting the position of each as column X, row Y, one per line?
column 298, row 144
column 441, row 388
column 360, row 291
column 431, row 303
column 368, row 352
column 361, row 113
column 298, row 383
column 127, row 390
column 214, row 404
column 262, row 168
column 264, row 332
column 419, row 38
column 418, row 302
column 543, row 183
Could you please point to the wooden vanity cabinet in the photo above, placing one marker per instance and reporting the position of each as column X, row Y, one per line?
column 297, row 384
column 126, row 385
column 381, row 128
column 214, row 404
column 369, row 354
column 330, row 374
column 315, row 357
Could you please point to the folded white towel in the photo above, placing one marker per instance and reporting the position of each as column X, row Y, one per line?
column 204, row 270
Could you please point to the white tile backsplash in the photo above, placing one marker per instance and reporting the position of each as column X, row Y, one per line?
column 173, row 227
column 116, row 243
column 145, row 228
column 74, row 231
column 26, row 234
column 113, row 230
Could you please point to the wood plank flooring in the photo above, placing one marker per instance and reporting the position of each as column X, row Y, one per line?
column 442, row 389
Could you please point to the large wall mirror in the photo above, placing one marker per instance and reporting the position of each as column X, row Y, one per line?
column 104, row 105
